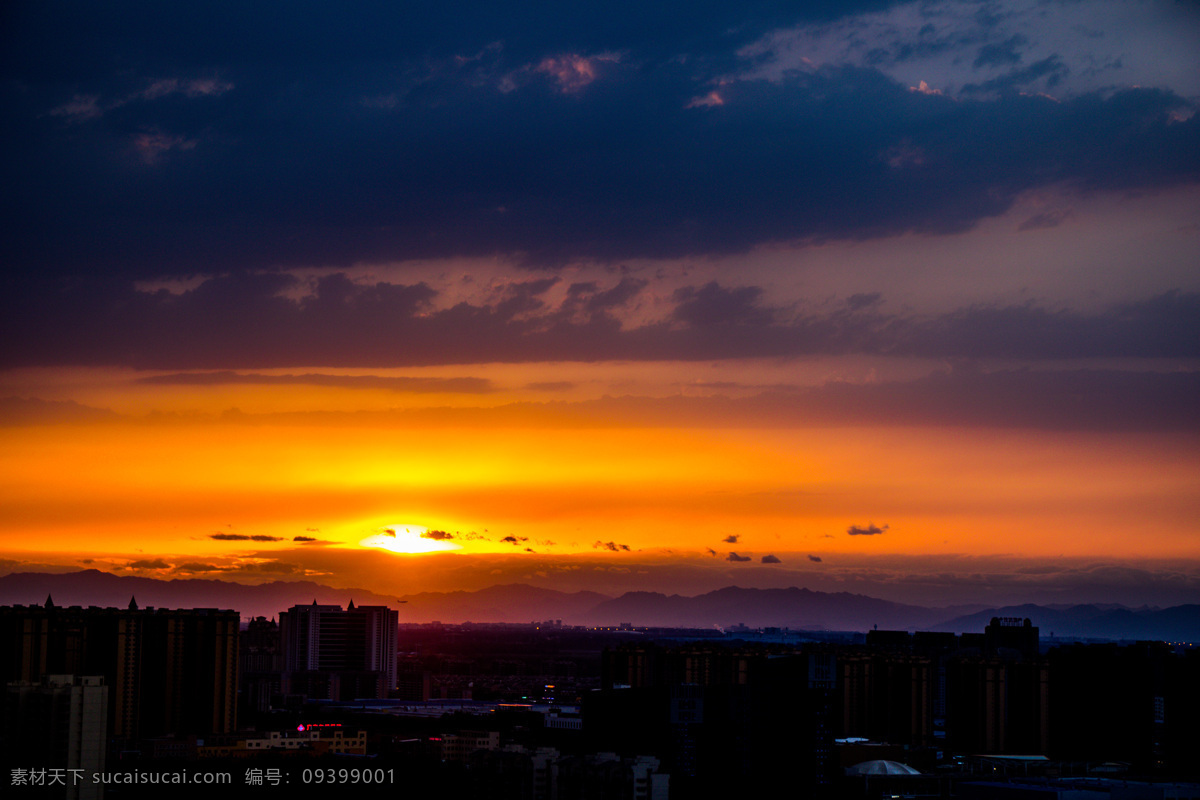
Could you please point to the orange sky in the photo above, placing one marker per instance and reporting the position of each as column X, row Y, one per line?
column 560, row 480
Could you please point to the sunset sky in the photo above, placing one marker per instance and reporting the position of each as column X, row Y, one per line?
column 900, row 298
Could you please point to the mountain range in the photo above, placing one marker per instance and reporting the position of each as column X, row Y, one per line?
column 795, row 608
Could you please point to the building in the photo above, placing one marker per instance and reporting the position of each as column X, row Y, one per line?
column 1138, row 704
column 260, row 664
column 722, row 721
column 166, row 671
column 609, row 775
column 337, row 654
column 887, row 697
column 1011, row 637
column 998, row 706
column 413, row 682
column 457, row 746
column 59, row 723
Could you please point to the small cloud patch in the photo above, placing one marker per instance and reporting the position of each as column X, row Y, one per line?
column 157, row 563
column 1046, row 219
column 241, row 537
column 196, row 566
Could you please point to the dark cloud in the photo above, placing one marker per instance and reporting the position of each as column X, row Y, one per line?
column 279, row 567
column 731, row 538
column 1038, row 399
column 857, row 302
column 815, row 559
column 196, row 566
column 241, row 537
column 710, row 551
column 1051, row 70
column 143, row 131
column 514, row 540
column 398, row 384
column 713, row 304
column 770, row 559
column 1046, row 219
column 550, row 386
column 590, row 298
column 437, row 535
column 156, row 563
column 736, row 557
column 1026, row 398
column 35, row 411
column 870, row 530
column 1053, row 399
column 1000, row 54
column 1039, row 569
column 245, row 321
column 1166, row 325
column 613, row 546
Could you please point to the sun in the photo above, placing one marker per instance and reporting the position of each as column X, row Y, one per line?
column 409, row 539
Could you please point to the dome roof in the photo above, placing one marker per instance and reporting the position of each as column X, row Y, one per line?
column 881, row 767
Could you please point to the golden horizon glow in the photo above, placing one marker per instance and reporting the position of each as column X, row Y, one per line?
column 406, row 538
column 301, row 490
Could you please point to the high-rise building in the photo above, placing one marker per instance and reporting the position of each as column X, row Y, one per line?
column 166, row 671
column 1121, row 703
column 886, row 696
column 998, row 707
column 1011, row 637
column 260, row 664
column 59, row 723
column 339, row 654
column 724, row 721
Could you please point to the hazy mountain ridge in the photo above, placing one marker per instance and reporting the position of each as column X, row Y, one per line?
column 513, row 602
column 1094, row 621
column 98, row 588
column 793, row 607
column 500, row 603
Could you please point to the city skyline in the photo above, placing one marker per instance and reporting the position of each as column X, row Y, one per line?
column 894, row 298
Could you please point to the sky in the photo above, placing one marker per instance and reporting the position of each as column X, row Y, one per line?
column 900, row 298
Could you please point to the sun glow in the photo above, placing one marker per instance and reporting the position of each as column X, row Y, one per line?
column 408, row 539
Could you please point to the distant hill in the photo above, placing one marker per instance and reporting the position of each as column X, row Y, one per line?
column 1178, row 623
column 793, row 607
column 514, row 602
column 34, row 411
column 511, row 603
column 93, row 587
